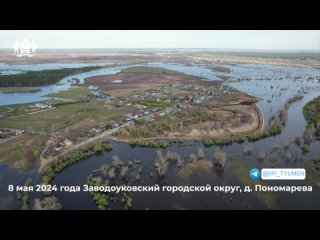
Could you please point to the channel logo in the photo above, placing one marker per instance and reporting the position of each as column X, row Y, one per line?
column 254, row 174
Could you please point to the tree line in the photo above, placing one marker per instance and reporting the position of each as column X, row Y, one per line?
column 39, row 78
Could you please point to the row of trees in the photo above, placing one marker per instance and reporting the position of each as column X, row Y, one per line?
column 99, row 146
column 149, row 143
column 208, row 141
column 151, row 103
column 282, row 115
column 62, row 162
column 38, row 78
column 147, row 130
column 255, row 136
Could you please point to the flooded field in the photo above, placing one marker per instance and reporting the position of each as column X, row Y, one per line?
column 273, row 85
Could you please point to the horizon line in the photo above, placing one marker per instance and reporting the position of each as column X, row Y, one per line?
column 176, row 48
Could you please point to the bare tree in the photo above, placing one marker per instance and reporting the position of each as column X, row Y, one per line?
column 221, row 157
column 179, row 162
column 161, row 164
column 200, row 153
column 111, row 173
column 289, row 156
column 248, row 149
column 287, row 144
column 276, row 146
column 193, row 157
column 116, row 160
column 262, row 155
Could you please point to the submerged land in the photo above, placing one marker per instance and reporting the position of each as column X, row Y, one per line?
column 150, row 106
column 185, row 56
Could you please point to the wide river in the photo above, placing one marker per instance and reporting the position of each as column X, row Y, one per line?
column 272, row 84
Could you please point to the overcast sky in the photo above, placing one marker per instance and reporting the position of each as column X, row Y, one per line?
column 240, row 39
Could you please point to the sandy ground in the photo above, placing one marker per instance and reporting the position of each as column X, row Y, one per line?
column 250, row 126
column 226, row 129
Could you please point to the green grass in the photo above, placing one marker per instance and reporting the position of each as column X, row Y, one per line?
column 61, row 116
column 18, row 89
column 74, row 93
column 4, row 109
column 23, row 151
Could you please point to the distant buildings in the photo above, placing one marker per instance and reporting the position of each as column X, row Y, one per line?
column 61, row 144
column 42, row 106
column 6, row 133
column 58, row 147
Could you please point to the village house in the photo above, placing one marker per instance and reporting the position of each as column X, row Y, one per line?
column 58, row 147
column 114, row 125
column 18, row 132
column 42, row 106
column 94, row 130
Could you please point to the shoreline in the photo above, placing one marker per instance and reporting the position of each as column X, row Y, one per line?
column 261, row 118
column 107, row 135
column 259, row 127
column 11, row 90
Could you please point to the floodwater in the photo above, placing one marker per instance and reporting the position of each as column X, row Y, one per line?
column 273, row 93
column 65, row 83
